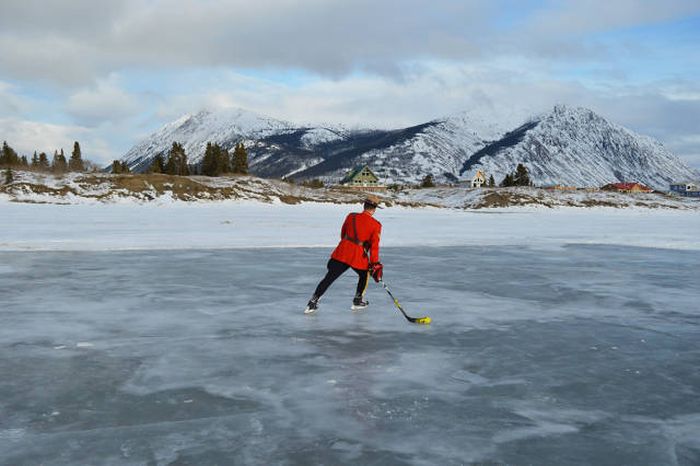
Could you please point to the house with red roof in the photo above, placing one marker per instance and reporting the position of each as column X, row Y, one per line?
column 627, row 188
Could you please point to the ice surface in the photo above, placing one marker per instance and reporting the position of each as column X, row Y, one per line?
column 174, row 334
column 579, row 354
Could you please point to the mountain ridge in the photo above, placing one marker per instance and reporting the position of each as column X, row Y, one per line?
column 567, row 145
column 575, row 146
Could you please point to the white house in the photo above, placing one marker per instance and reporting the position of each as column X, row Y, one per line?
column 479, row 179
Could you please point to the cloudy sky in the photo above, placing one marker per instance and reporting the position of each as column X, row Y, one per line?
column 109, row 73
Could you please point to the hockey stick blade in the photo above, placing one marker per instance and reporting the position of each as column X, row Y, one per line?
column 421, row 320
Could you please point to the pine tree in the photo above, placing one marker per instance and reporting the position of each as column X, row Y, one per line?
column 8, row 156
column 216, row 161
column 240, row 160
column 521, row 177
column 184, row 166
column 44, row 162
column 35, row 161
column 177, row 161
column 173, row 162
column 209, row 162
column 122, row 167
column 76, row 161
column 158, row 165
column 507, row 181
column 223, row 161
column 427, row 182
column 24, row 162
column 9, row 178
column 492, row 182
column 59, row 164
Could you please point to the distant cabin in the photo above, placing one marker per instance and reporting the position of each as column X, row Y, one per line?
column 362, row 178
column 686, row 188
column 627, row 188
column 479, row 179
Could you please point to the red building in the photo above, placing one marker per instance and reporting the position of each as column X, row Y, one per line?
column 627, row 188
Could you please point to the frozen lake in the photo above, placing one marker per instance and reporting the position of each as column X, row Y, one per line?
column 568, row 354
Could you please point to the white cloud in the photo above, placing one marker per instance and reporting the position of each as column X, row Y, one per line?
column 367, row 62
column 689, row 146
column 503, row 92
column 587, row 16
column 76, row 41
column 81, row 41
column 106, row 101
column 29, row 136
column 10, row 102
column 48, row 58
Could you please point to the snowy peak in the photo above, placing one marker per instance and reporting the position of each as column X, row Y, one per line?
column 467, row 123
column 226, row 127
column 575, row 146
column 406, row 155
column 236, row 120
column 567, row 145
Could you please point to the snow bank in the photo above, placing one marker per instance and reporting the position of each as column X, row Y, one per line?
column 248, row 224
column 74, row 188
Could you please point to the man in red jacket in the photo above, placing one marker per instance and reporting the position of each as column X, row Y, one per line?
column 358, row 249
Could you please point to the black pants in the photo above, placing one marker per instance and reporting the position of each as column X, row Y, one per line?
column 335, row 270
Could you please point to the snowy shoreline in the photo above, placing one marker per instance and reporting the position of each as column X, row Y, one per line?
column 105, row 189
column 253, row 224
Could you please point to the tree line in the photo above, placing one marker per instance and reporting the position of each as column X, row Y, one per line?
column 9, row 158
column 520, row 177
column 217, row 161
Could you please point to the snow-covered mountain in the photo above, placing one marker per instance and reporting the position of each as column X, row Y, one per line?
column 438, row 147
column 280, row 149
column 571, row 146
column 225, row 127
column 575, row 146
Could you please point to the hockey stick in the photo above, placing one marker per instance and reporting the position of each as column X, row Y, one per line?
column 416, row 320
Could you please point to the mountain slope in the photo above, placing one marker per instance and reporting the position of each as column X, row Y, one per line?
column 281, row 149
column 575, row 146
column 571, row 146
column 438, row 147
column 276, row 148
column 226, row 127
